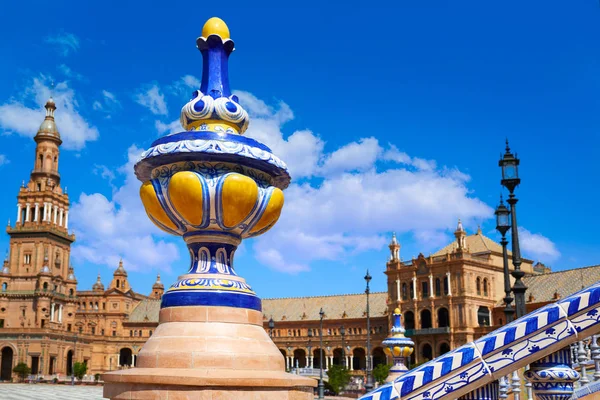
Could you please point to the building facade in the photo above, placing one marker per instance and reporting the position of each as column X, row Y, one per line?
column 447, row 299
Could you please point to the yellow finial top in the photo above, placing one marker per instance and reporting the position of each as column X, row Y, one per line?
column 215, row 26
column 397, row 311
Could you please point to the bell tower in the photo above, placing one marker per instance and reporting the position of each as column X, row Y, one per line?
column 40, row 243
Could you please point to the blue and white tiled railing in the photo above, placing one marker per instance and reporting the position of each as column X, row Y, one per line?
column 541, row 339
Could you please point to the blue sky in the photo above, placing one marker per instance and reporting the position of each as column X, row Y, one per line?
column 391, row 117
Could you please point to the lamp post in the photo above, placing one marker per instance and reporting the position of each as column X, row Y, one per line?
column 502, row 226
column 309, row 358
column 343, row 333
column 369, row 383
column 271, row 326
column 321, row 386
column 510, row 180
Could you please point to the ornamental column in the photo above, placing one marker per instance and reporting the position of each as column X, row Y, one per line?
column 449, row 284
column 44, row 213
column 55, row 214
column 18, row 213
column 414, row 285
column 37, row 212
column 27, row 212
column 430, row 286
column 49, row 214
column 60, row 218
column 398, row 296
column 52, row 312
column 67, row 219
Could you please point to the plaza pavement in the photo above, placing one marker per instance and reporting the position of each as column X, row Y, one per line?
column 17, row 391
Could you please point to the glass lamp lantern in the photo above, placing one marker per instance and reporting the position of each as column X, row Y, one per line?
column 502, row 218
column 510, row 170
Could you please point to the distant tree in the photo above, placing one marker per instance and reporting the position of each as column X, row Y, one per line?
column 79, row 370
column 22, row 370
column 97, row 377
column 381, row 372
column 339, row 377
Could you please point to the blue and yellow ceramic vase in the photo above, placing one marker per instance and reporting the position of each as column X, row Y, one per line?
column 214, row 187
column 211, row 185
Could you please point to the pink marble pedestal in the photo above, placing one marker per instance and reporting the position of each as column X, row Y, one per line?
column 209, row 353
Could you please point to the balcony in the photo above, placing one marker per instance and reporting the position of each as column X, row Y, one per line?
column 428, row 331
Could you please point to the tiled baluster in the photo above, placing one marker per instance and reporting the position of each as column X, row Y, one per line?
column 516, row 385
column 528, row 388
column 596, row 357
column 503, row 388
column 552, row 376
column 487, row 392
column 582, row 359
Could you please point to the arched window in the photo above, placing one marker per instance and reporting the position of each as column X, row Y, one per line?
column 426, row 319
column 485, row 287
column 443, row 317
column 478, row 285
column 424, row 289
column 71, row 292
column 409, row 320
column 404, row 292
column 446, row 285
column 444, row 348
column 4, row 287
column 412, row 292
column 118, row 283
column 438, row 287
column 483, row 316
column 426, row 352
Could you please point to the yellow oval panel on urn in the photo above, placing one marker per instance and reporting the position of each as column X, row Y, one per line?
column 185, row 193
column 272, row 211
column 239, row 194
column 153, row 206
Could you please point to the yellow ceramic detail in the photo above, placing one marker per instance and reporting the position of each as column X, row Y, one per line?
column 397, row 351
column 387, row 351
column 153, row 207
column 272, row 211
column 215, row 26
column 397, row 311
column 238, row 197
column 185, row 192
column 212, row 125
column 408, row 351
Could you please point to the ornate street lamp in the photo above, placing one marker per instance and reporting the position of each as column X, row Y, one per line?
column 369, row 383
column 321, row 386
column 343, row 333
column 510, row 180
column 271, row 326
column 502, row 226
column 309, row 364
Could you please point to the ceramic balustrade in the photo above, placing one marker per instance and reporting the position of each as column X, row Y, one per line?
column 539, row 339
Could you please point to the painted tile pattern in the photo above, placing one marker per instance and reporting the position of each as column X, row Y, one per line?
column 519, row 343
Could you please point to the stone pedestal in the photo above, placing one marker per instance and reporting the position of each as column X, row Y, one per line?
column 200, row 353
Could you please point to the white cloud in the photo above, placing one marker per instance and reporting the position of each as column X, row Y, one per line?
column 152, row 99
column 183, row 87
column 3, row 160
column 360, row 193
column 355, row 156
column 108, row 229
column 167, row 129
column 65, row 42
column 17, row 117
column 69, row 73
column 537, row 246
column 107, row 104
